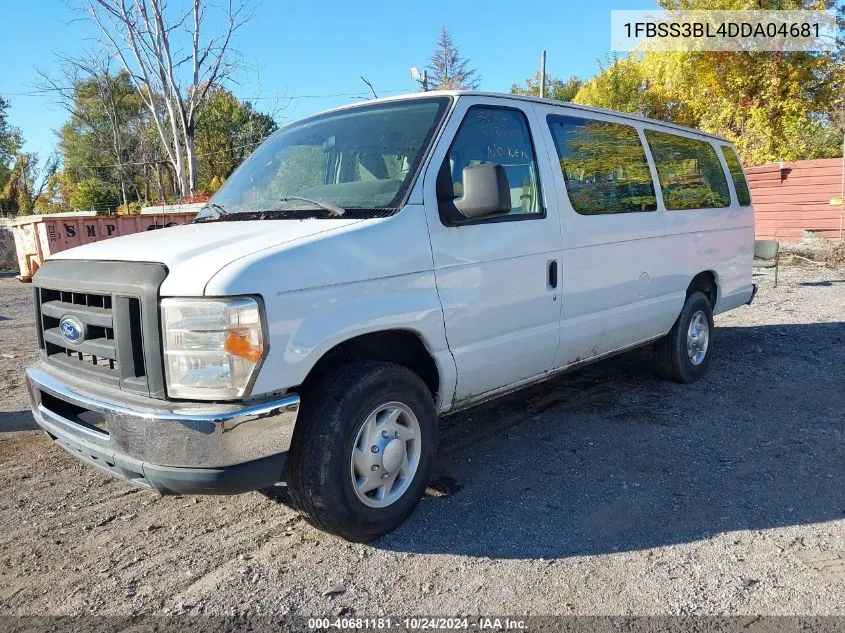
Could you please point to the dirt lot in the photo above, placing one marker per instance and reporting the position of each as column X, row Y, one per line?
column 606, row 491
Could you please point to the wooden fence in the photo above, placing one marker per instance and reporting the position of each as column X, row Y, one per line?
column 792, row 197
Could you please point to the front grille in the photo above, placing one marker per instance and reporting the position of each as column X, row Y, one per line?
column 115, row 305
column 100, row 352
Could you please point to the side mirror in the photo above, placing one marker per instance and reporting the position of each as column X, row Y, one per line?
column 486, row 192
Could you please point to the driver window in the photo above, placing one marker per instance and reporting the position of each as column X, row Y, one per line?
column 498, row 135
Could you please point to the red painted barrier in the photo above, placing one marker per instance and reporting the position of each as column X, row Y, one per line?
column 792, row 197
column 39, row 236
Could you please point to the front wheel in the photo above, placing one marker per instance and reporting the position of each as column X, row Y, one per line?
column 684, row 353
column 365, row 451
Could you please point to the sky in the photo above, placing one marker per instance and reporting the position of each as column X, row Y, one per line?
column 303, row 57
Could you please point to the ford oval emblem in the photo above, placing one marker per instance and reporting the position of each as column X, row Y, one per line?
column 73, row 331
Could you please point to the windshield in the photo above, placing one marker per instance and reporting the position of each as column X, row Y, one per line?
column 364, row 158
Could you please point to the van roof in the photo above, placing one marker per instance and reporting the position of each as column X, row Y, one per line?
column 551, row 102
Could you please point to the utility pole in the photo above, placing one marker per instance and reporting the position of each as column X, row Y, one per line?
column 543, row 74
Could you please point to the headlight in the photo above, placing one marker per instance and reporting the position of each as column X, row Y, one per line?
column 212, row 347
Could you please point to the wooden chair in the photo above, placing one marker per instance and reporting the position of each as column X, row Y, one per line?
column 767, row 255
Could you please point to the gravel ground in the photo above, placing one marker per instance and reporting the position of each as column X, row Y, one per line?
column 605, row 491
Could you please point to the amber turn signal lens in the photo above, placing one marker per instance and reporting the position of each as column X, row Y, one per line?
column 237, row 343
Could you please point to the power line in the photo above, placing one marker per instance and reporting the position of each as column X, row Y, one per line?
column 230, row 149
column 39, row 93
column 167, row 161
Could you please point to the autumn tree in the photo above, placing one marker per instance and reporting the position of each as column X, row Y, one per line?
column 10, row 143
column 556, row 88
column 173, row 56
column 773, row 105
column 26, row 183
column 623, row 84
column 55, row 197
column 447, row 70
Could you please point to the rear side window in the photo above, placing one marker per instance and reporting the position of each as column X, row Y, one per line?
column 604, row 166
column 735, row 167
column 498, row 135
column 691, row 176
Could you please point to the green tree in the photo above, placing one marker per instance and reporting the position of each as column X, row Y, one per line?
column 10, row 144
column 111, row 138
column 102, row 138
column 556, row 88
column 228, row 130
column 94, row 194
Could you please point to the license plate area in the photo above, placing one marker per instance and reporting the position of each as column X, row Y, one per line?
column 91, row 420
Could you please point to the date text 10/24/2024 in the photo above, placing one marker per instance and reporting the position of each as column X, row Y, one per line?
column 417, row 624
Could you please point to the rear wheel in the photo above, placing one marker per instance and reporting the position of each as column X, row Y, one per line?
column 684, row 353
column 364, row 450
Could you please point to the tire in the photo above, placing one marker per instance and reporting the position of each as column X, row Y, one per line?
column 329, row 460
column 673, row 359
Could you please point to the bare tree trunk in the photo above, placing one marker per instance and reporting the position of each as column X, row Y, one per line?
column 190, row 149
column 145, row 41
column 146, row 183
column 183, row 187
column 159, row 183
column 93, row 71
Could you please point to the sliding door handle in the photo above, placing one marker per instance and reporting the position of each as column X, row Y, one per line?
column 552, row 278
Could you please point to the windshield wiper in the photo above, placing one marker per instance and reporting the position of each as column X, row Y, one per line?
column 328, row 206
column 218, row 213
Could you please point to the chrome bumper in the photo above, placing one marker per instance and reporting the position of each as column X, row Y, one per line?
column 141, row 438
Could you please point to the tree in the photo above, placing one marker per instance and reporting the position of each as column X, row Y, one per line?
column 107, row 115
column 447, row 70
column 623, row 85
column 26, row 183
column 555, row 88
column 773, row 105
column 10, row 143
column 110, row 139
column 94, row 194
column 228, row 130
column 172, row 65
column 56, row 195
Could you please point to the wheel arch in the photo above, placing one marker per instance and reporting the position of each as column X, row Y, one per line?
column 402, row 346
column 707, row 283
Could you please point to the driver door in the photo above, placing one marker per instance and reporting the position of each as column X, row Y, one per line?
column 497, row 277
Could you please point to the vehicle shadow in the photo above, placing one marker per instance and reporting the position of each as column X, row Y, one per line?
column 826, row 282
column 611, row 458
column 11, row 421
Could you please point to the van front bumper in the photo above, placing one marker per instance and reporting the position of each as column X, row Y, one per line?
column 171, row 447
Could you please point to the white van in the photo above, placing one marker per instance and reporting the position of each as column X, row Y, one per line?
column 373, row 267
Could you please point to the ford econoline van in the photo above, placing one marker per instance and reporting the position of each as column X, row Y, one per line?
column 372, row 268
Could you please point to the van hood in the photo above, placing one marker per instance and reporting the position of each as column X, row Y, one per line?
column 193, row 253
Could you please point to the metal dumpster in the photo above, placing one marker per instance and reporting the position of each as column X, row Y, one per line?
column 39, row 236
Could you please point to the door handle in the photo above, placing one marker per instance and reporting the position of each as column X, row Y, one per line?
column 552, row 279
